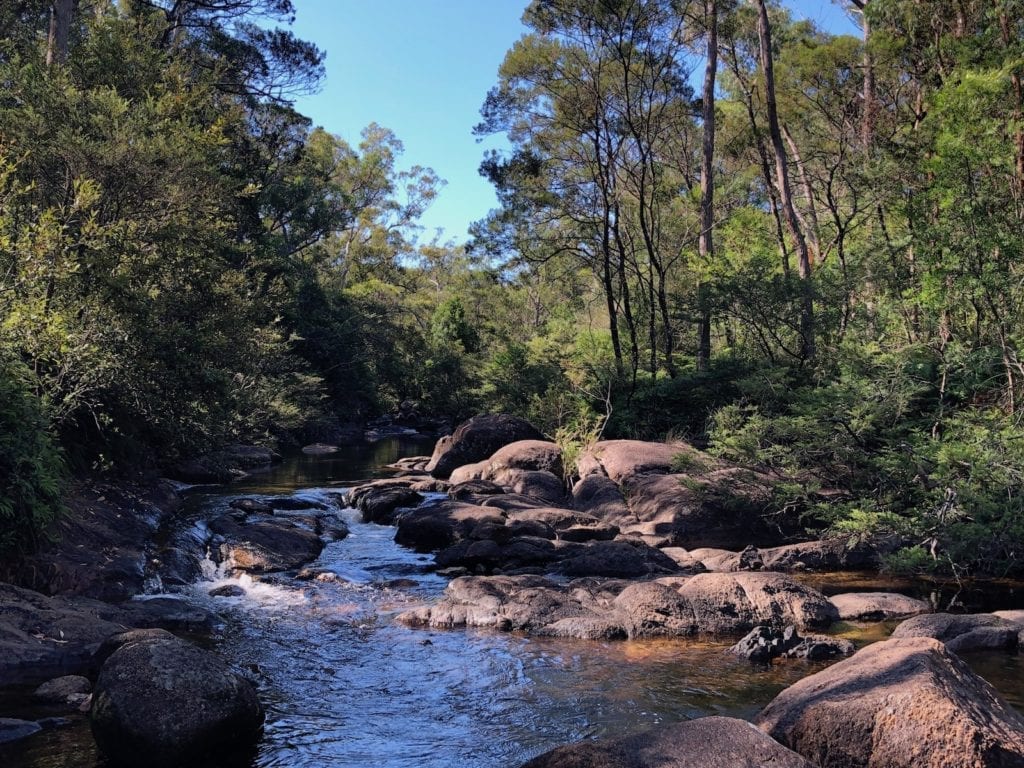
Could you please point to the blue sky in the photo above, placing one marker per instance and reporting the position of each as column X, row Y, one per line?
column 422, row 69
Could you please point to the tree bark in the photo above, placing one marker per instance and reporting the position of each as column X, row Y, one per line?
column 706, row 246
column 58, row 40
column 810, row 224
column 782, row 182
column 869, row 108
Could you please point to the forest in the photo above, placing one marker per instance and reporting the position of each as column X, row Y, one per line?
column 716, row 223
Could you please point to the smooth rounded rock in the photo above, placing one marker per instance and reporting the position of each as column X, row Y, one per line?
column 876, row 606
column 960, row 633
column 61, row 690
column 164, row 702
column 904, row 703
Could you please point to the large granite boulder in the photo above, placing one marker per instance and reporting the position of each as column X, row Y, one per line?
column 529, row 455
column 478, row 439
column 380, row 504
column 970, row 632
column 622, row 459
column 441, row 524
column 674, row 494
column 904, row 703
column 726, row 603
column 99, row 549
column 876, row 606
column 708, row 742
column 160, row 701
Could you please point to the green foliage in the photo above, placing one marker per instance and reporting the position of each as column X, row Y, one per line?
column 30, row 463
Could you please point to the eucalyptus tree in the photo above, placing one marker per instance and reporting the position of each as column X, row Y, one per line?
column 594, row 101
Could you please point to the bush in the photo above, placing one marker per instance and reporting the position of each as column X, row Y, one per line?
column 30, row 463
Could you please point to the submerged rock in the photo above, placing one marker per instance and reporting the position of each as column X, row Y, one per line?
column 12, row 729
column 904, row 703
column 708, row 742
column 763, row 644
column 161, row 701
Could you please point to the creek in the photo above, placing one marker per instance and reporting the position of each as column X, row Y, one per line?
column 345, row 685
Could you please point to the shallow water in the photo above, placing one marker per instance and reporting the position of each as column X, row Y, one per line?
column 345, row 685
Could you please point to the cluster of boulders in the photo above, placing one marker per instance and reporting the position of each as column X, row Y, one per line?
column 157, row 699
column 638, row 540
column 635, row 540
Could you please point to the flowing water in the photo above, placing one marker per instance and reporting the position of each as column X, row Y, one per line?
column 345, row 685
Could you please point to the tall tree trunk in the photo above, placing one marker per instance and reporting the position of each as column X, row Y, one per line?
column 869, row 108
column 1018, row 111
column 762, row 154
column 782, row 181
column 810, row 223
column 706, row 246
column 57, row 42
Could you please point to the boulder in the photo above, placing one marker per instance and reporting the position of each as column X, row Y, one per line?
column 166, row 612
column 507, row 603
column 903, row 703
column 319, row 449
column 99, row 548
column 227, row 590
column 619, row 559
column 876, row 606
column 601, row 497
column 685, row 560
column 294, row 504
column 708, row 742
column 265, row 546
column 653, row 609
column 251, row 506
column 531, row 455
column 762, row 644
column 42, row 637
column 380, row 504
column 716, row 509
column 508, row 555
column 440, row 524
column 971, row 632
column 476, row 440
column 462, row 490
column 164, row 702
column 468, row 473
column 512, row 501
column 836, row 554
column 545, row 487
column 726, row 603
column 69, row 689
column 622, row 459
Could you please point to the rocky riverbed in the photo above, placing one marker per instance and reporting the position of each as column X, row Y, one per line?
column 494, row 610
